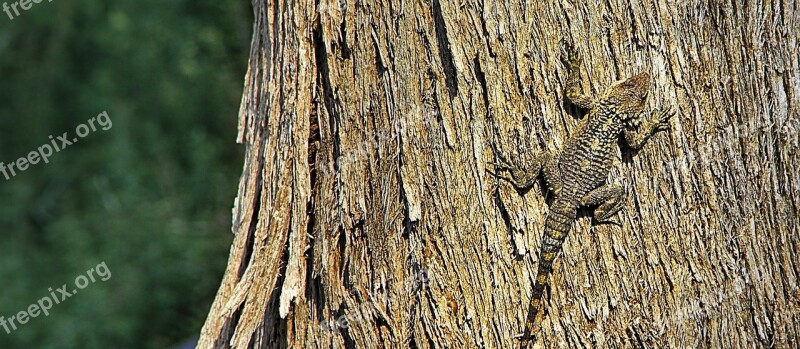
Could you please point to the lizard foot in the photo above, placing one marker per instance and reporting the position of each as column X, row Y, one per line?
column 608, row 221
column 569, row 54
column 662, row 118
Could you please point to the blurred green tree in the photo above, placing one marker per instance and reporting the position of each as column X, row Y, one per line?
column 151, row 196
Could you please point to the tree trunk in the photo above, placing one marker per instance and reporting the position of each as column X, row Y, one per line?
column 366, row 217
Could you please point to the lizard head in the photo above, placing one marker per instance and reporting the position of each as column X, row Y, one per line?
column 628, row 97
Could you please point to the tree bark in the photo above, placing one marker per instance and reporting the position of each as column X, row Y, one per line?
column 366, row 217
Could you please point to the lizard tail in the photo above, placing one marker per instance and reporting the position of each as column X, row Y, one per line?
column 557, row 225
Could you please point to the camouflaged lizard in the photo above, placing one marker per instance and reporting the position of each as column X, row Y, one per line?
column 577, row 173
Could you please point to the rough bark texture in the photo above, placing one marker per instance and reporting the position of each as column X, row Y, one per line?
column 366, row 219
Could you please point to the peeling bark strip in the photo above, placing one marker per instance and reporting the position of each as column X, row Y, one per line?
column 368, row 128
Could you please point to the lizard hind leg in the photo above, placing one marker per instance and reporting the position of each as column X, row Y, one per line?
column 552, row 175
column 524, row 173
column 610, row 197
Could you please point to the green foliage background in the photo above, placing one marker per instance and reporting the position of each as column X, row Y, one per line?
column 151, row 197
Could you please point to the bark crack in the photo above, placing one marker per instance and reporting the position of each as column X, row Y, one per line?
column 482, row 81
column 445, row 54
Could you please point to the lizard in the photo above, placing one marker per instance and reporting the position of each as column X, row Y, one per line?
column 577, row 173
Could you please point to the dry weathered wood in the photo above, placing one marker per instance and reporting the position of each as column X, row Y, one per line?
column 366, row 219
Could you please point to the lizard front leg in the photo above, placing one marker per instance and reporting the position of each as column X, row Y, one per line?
column 574, row 93
column 611, row 198
column 638, row 132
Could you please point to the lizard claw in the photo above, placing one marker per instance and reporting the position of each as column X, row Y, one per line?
column 662, row 118
column 609, row 221
column 500, row 165
column 499, row 176
column 667, row 113
column 569, row 54
column 497, row 169
column 500, row 162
